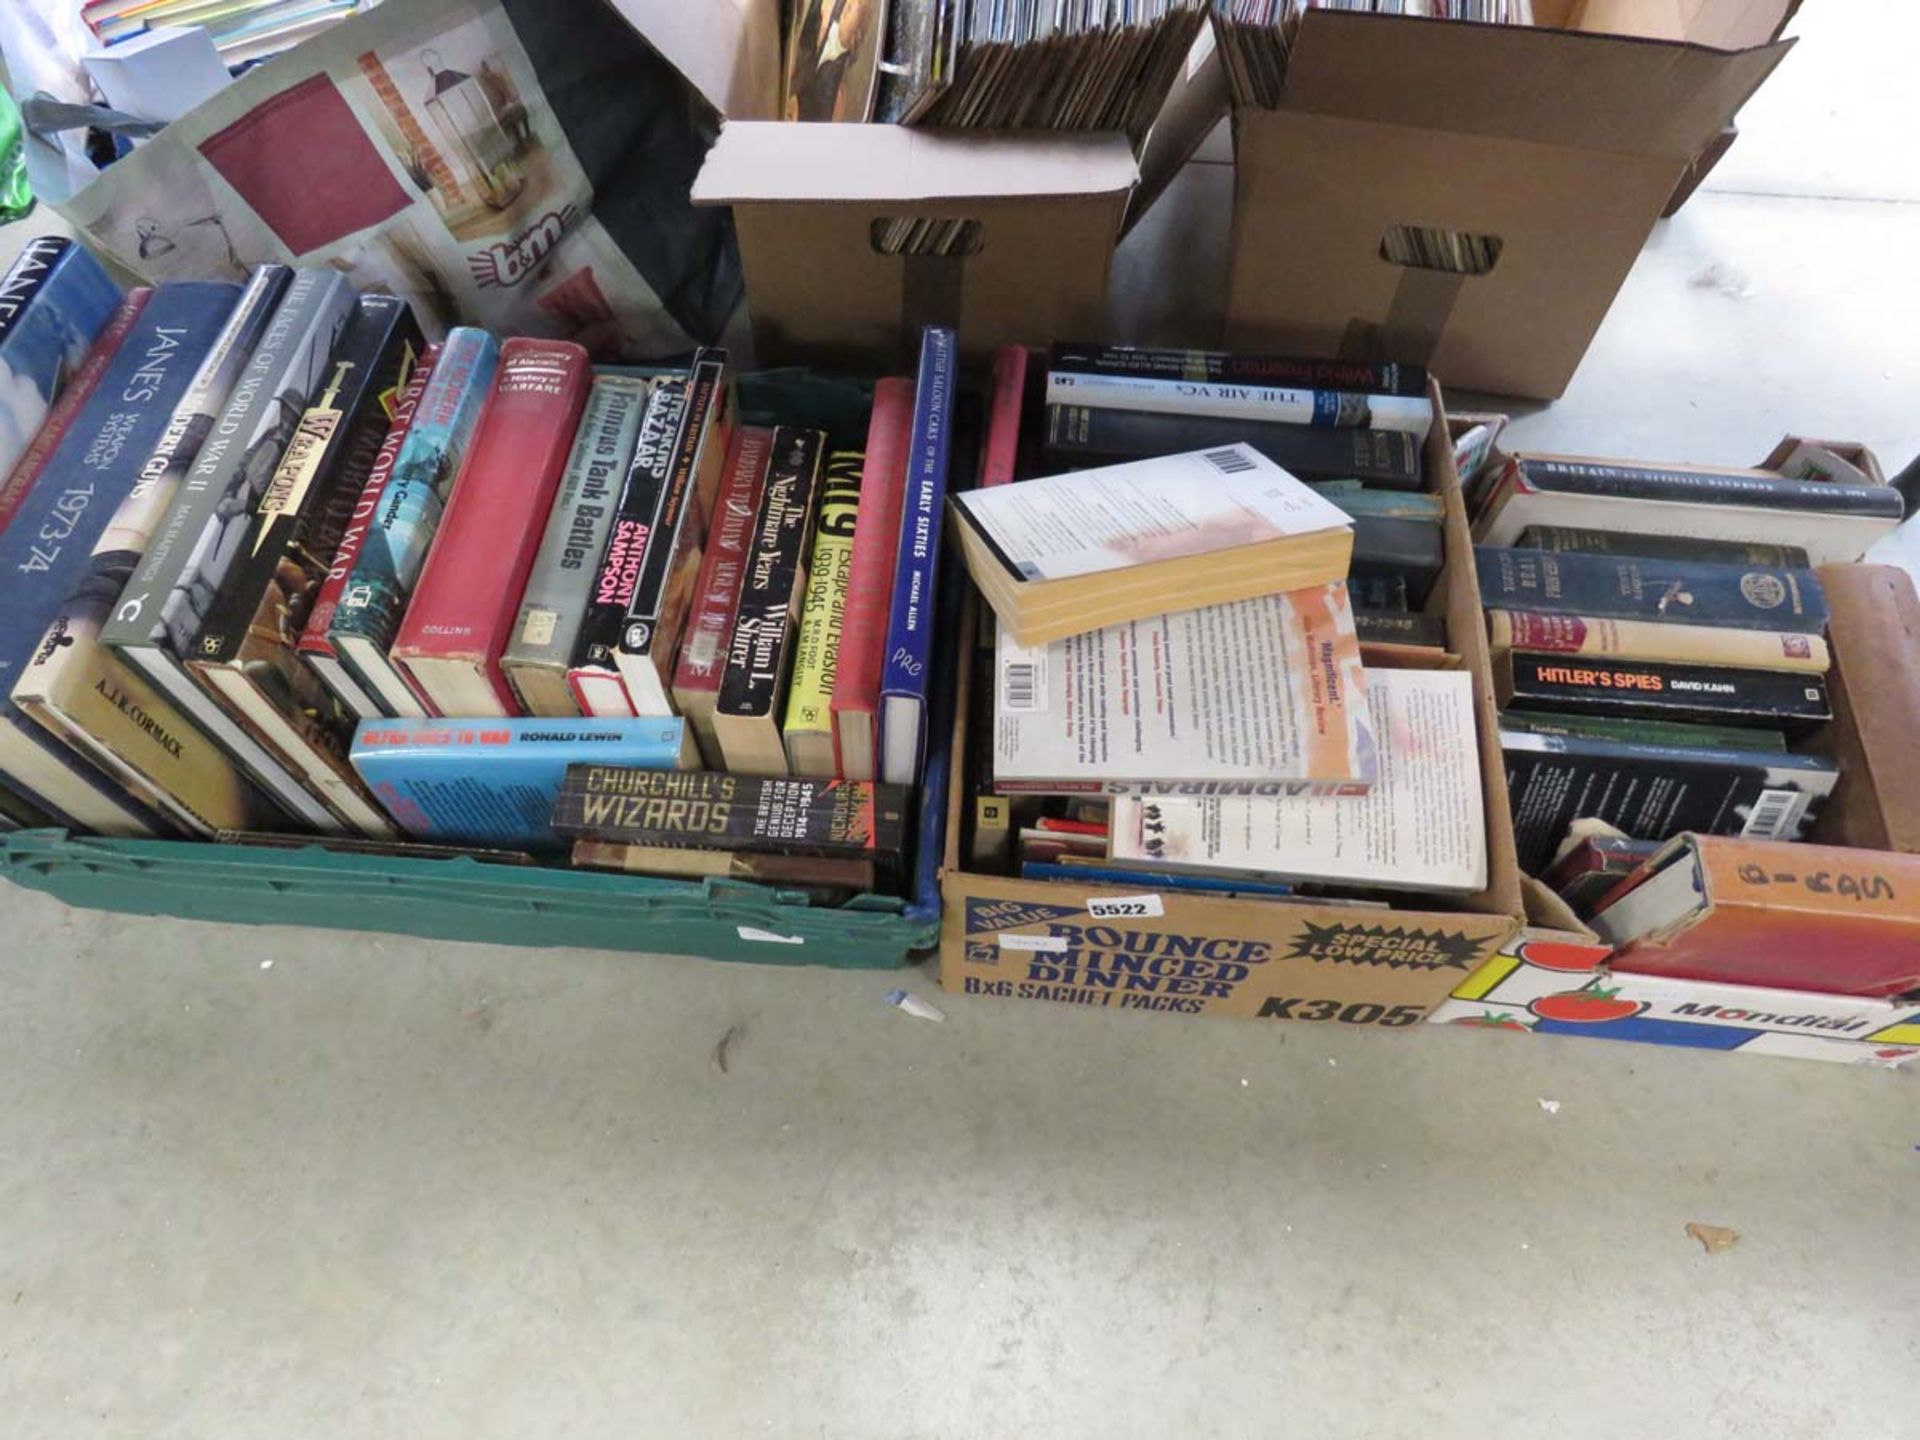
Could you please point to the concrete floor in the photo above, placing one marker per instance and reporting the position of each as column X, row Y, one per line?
column 425, row 1190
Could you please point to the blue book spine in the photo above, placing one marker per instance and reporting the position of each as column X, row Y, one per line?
column 423, row 474
column 45, row 550
column 54, row 302
column 910, row 624
column 1150, row 879
column 493, row 782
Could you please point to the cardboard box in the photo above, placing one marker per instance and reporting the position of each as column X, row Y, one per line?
column 1551, row 983
column 810, row 203
column 1199, row 955
column 1875, row 690
column 1561, row 144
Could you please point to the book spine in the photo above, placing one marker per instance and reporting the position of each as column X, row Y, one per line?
column 470, row 586
column 26, row 278
column 1661, row 547
column 1647, row 482
column 1688, row 735
column 1355, row 376
column 555, row 601
column 1598, row 638
column 79, row 390
column 876, row 546
column 846, row 818
column 1002, row 454
column 635, row 518
column 716, row 594
column 1388, row 627
column 1619, row 587
column 908, row 650
column 1084, row 437
column 313, row 640
column 53, row 304
column 753, row 685
column 649, row 637
column 396, row 542
column 1322, row 409
column 1410, row 549
column 823, row 615
column 1646, row 689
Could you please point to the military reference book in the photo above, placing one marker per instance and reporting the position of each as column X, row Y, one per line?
column 1668, row 592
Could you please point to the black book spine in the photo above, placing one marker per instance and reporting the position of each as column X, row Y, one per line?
column 1645, row 690
column 1399, row 627
column 847, row 819
column 759, row 651
column 1562, row 538
column 27, row 276
column 635, row 518
column 1357, row 376
column 1638, row 482
column 1083, row 436
column 1654, row 792
column 663, row 543
column 1384, row 547
column 1625, row 587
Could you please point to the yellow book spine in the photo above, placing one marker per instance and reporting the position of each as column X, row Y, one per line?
column 817, row 650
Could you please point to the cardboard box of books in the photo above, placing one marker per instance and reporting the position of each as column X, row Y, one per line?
column 1471, row 195
column 853, row 237
column 1183, row 950
column 1875, row 685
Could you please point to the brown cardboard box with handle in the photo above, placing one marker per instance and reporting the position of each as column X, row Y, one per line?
column 1559, row 145
column 1196, row 954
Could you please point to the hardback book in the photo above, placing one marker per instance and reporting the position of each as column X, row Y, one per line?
column 157, row 624
column 1263, row 696
column 716, row 592
column 754, row 685
column 808, row 730
column 464, row 604
column 44, row 553
column 548, row 623
column 55, row 299
column 247, row 653
column 1362, row 502
column 1831, row 522
column 906, row 655
column 1593, row 867
column 755, row 814
column 1080, row 437
column 316, row 646
column 786, row 872
column 494, row 782
column 1240, row 400
column 172, row 760
column 1000, row 456
column 1072, row 553
column 876, row 548
column 1421, row 827
column 1362, row 377
column 594, row 674
column 1399, row 627
column 1688, row 735
column 394, row 548
column 1662, row 547
column 1392, row 546
column 69, row 400
column 1875, row 688
column 1650, row 690
column 1667, row 592
column 1595, row 638
column 1754, row 912
column 1654, row 792
column 649, row 641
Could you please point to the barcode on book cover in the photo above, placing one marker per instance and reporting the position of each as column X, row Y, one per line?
column 1230, row 462
column 1023, row 676
column 1018, row 684
column 1776, row 815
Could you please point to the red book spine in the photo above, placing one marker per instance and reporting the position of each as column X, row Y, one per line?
column 1002, row 452
column 313, row 639
column 876, row 545
column 469, row 591
column 79, row 390
column 716, row 594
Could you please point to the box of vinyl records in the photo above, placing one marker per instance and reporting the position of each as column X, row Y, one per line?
column 1183, row 912
column 1468, row 194
column 853, row 237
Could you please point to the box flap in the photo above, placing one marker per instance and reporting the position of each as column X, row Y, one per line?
column 728, row 49
column 1623, row 94
column 776, row 161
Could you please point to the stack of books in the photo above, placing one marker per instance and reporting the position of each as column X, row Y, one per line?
column 275, row 565
column 1176, row 686
column 1659, row 644
column 244, row 32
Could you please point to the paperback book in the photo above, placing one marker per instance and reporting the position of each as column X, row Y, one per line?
column 808, row 731
column 1648, row 690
